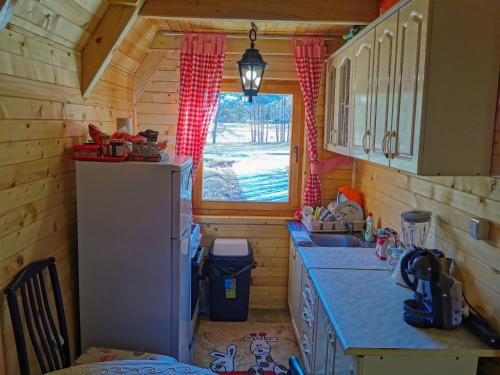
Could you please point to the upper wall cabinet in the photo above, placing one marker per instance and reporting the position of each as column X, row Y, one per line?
column 362, row 98
column 424, row 80
column 384, row 71
column 338, row 93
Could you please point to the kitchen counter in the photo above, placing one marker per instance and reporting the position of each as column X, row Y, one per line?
column 366, row 310
column 341, row 257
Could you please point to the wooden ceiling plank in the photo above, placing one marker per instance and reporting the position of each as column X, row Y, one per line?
column 237, row 46
column 143, row 76
column 104, row 42
column 242, row 27
column 334, row 11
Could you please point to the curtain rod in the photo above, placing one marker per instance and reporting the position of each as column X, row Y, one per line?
column 245, row 36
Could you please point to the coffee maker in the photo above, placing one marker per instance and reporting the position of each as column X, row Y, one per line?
column 415, row 226
column 438, row 299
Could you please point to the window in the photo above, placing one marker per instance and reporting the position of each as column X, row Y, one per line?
column 251, row 156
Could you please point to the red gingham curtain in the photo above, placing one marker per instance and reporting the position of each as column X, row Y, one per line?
column 202, row 61
column 309, row 57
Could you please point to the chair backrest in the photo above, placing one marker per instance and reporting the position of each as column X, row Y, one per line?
column 49, row 338
column 295, row 368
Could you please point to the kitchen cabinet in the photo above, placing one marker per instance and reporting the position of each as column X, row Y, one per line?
column 361, row 95
column 418, row 101
column 338, row 91
column 329, row 357
column 295, row 272
column 404, row 139
column 355, row 333
column 384, row 70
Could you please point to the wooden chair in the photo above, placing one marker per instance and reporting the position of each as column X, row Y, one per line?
column 49, row 338
column 295, row 368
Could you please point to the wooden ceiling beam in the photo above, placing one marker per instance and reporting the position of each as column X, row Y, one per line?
column 237, row 46
column 333, row 11
column 105, row 41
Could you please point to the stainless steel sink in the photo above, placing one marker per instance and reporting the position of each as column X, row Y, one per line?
column 335, row 240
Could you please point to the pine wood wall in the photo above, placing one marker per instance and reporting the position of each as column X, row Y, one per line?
column 158, row 109
column 41, row 114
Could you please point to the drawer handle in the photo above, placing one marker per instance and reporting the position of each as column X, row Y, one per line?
column 308, row 295
column 306, row 316
column 304, row 347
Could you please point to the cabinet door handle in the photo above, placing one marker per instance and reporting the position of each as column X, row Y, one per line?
column 304, row 347
column 296, row 153
column 384, row 144
column 393, row 148
column 365, row 137
column 333, row 137
column 306, row 316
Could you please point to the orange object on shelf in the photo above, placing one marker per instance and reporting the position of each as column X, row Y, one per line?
column 384, row 5
column 351, row 194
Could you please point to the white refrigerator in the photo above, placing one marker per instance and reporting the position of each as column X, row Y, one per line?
column 134, row 225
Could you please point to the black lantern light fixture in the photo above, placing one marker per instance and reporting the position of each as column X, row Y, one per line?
column 251, row 67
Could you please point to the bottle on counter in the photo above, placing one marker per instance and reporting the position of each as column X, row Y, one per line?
column 382, row 243
column 369, row 236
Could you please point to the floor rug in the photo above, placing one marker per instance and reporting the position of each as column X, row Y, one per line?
column 259, row 348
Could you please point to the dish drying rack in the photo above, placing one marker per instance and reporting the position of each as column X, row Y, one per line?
column 339, row 226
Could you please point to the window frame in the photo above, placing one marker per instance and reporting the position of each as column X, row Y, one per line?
column 206, row 207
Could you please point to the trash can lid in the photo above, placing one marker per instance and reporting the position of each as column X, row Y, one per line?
column 230, row 247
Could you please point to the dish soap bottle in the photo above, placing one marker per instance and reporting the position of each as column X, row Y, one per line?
column 369, row 236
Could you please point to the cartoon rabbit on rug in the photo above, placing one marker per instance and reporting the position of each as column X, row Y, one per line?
column 260, row 348
column 223, row 362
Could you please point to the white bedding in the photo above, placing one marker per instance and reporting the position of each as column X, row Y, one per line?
column 133, row 367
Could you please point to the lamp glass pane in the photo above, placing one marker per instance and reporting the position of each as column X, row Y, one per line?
column 257, row 72
column 246, row 74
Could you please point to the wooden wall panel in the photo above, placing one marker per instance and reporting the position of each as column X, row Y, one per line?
column 452, row 200
column 158, row 107
column 41, row 114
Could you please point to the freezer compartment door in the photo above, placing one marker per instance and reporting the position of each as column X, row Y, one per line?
column 182, row 194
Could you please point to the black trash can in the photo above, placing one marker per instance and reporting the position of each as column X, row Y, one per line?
column 228, row 268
